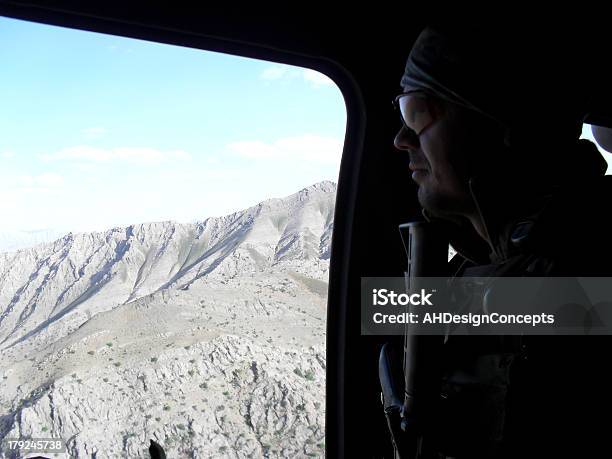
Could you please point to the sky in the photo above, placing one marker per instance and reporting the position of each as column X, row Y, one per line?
column 98, row 131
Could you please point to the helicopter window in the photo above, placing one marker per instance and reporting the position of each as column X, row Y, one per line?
column 587, row 133
column 164, row 246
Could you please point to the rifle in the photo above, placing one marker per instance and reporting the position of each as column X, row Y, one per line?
column 409, row 402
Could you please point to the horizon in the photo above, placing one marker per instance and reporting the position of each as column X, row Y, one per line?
column 203, row 219
column 55, row 236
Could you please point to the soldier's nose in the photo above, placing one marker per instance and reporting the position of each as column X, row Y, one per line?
column 406, row 139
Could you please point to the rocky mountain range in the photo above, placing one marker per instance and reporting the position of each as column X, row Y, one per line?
column 208, row 338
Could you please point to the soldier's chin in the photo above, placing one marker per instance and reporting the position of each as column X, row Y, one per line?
column 436, row 204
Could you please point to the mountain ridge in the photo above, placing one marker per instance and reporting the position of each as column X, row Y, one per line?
column 126, row 263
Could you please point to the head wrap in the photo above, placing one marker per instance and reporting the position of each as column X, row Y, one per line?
column 523, row 81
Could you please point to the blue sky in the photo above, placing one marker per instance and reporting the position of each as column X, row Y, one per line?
column 98, row 131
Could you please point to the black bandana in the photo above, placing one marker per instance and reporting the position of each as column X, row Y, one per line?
column 522, row 83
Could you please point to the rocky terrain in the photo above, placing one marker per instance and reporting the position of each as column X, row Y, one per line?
column 208, row 338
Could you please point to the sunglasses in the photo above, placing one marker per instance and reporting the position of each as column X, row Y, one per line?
column 417, row 110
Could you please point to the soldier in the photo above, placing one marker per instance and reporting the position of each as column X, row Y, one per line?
column 491, row 124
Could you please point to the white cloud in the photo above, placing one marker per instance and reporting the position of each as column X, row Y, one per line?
column 288, row 73
column 93, row 132
column 305, row 148
column 274, row 73
column 7, row 154
column 317, row 79
column 122, row 154
column 46, row 180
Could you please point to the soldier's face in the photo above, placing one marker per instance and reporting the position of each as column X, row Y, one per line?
column 442, row 158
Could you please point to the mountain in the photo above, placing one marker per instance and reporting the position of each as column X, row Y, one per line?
column 206, row 337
